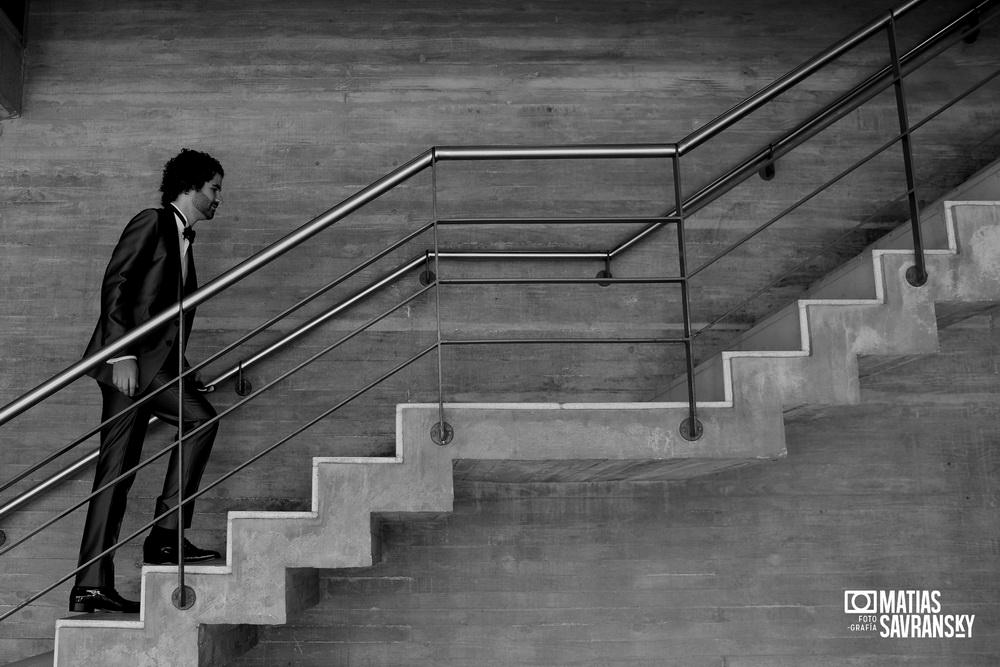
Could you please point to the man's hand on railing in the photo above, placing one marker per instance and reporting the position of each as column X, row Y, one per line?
column 200, row 386
column 125, row 376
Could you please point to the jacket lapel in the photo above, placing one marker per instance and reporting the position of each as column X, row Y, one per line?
column 168, row 236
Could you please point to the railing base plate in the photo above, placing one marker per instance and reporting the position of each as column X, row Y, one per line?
column 691, row 434
column 183, row 598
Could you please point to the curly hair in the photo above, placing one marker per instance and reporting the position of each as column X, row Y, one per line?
column 188, row 170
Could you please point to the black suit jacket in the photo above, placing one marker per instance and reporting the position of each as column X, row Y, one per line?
column 143, row 279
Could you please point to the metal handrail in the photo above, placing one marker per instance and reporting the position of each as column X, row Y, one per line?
column 810, row 127
column 797, row 75
column 422, row 161
column 315, row 226
column 801, row 133
column 395, row 178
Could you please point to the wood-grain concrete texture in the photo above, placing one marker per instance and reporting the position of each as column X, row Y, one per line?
column 744, row 568
column 305, row 103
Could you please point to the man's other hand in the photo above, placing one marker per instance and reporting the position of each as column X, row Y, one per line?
column 125, row 376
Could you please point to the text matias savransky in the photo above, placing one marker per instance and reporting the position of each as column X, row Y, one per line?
column 905, row 614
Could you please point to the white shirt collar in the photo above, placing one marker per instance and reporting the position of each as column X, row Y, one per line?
column 179, row 219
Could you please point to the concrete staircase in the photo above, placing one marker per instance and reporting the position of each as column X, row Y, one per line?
column 805, row 354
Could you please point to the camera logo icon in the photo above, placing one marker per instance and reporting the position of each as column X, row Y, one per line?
column 860, row 602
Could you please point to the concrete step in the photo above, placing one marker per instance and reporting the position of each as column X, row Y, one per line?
column 682, row 574
column 870, row 279
column 806, row 354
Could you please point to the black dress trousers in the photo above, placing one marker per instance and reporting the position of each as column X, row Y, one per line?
column 121, row 447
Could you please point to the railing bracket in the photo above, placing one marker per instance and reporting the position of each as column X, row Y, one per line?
column 768, row 171
column 183, row 598
column 427, row 276
column 916, row 276
column 687, row 433
column 606, row 272
column 3, row 538
column 242, row 385
column 448, row 434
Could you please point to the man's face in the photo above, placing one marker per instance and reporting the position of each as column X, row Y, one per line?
column 208, row 198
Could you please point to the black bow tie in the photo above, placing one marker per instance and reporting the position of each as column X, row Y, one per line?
column 188, row 234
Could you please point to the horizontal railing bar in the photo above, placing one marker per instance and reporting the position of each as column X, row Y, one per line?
column 54, row 479
column 612, row 220
column 789, row 80
column 555, row 281
column 663, row 150
column 521, row 254
column 561, row 341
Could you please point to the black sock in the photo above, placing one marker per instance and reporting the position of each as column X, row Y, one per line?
column 161, row 535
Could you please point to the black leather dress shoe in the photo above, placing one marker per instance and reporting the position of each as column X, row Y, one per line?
column 100, row 598
column 155, row 552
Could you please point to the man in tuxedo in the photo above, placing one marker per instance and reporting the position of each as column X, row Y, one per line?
column 151, row 268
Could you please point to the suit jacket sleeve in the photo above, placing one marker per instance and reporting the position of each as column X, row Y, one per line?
column 124, row 277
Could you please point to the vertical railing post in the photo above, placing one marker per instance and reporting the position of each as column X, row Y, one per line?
column 916, row 275
column 691, row 428
column 442, row 432
column 183, row 597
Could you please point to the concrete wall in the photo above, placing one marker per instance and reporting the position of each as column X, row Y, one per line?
column 304, row 103
column 743, row 569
